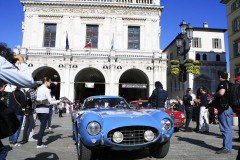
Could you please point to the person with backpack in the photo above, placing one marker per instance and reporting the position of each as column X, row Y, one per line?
column 237, row 107
column 29, row 120
column 158, row 97
column 225, row 112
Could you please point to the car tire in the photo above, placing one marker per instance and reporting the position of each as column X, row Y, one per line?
column 159, row 150
column 74, row 138
column 83, row 152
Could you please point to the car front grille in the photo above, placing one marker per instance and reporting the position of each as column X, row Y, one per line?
column 133, row 135
column 177, row 120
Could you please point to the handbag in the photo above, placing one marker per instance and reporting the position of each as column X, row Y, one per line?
column 27, row 109
column 9, row 122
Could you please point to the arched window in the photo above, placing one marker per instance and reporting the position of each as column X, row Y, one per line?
column 204, row 57
column 198, row 57
column 217, row 57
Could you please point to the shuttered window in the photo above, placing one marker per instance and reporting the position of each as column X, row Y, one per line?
column 196, row 42
column 236, row 25
column 216, row 43
column 236, row 48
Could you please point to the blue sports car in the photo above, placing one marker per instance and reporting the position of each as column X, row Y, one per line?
column 109, row 122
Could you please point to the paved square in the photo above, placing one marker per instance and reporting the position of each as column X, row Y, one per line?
column 184, row 145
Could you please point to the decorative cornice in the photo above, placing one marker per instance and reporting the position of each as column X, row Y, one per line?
column 102, row 4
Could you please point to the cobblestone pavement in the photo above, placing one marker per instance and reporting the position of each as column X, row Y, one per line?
column 184, row 145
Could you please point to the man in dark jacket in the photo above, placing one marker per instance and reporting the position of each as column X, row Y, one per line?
column 158, row 97
column 188, row 104
column 225, row 113
column 17, row 102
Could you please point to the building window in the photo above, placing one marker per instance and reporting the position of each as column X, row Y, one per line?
column 204, row 57
column 217, row 57
column 235, row 5
column 198, row 57
column 133, row 37
column 237, row 71
column 92, row 34
column 216, row 43
column 196, row 43
column 236, row 25
column 171, row 56
column 236, row 49
column 49, row 35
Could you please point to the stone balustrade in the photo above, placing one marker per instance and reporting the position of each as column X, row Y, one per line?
column 150, row 2
column 87, row 53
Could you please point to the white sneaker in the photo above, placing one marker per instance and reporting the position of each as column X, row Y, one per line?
column 49, row 128
column 32, row 140
column 42, row 146
column 17, row 145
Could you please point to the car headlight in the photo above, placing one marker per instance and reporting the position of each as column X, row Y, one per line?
column 182, row 115
column 117, row 137
column 166, row 124
column 93, row 128
column 148, row 135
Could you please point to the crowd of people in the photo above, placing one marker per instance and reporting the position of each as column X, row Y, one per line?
column 25, row 105
column 38, row 102
column 218, row 100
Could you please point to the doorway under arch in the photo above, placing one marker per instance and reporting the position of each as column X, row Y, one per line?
column 51, row 73
column 83, row 78
column 134, row 85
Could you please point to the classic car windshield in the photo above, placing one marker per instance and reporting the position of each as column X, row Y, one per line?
column 106, row 103
column 144, row 105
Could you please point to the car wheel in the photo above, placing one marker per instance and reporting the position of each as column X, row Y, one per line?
column 74, row 138
column 159, row 150
column 83, row 152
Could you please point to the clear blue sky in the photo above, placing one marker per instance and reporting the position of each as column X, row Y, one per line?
column 194, row 11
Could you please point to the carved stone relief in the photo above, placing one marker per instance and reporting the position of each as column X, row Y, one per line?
column 93, row 11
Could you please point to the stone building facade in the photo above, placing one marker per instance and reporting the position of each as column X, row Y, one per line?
column 129, row 69
column 207, row 46
column 233, row 23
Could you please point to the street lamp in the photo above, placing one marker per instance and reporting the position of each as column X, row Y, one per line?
column 184, row 38
column 183, row 43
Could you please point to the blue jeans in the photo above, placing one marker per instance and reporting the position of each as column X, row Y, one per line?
column 189, row 113
column 49, row 118
column 3, row 151
column 13, row 138
column 43, row 117
column 225, row 124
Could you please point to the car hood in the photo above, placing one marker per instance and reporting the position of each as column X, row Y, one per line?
column 119, row 118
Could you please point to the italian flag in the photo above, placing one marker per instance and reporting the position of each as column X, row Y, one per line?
column 89, row 44
column 89, row 85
